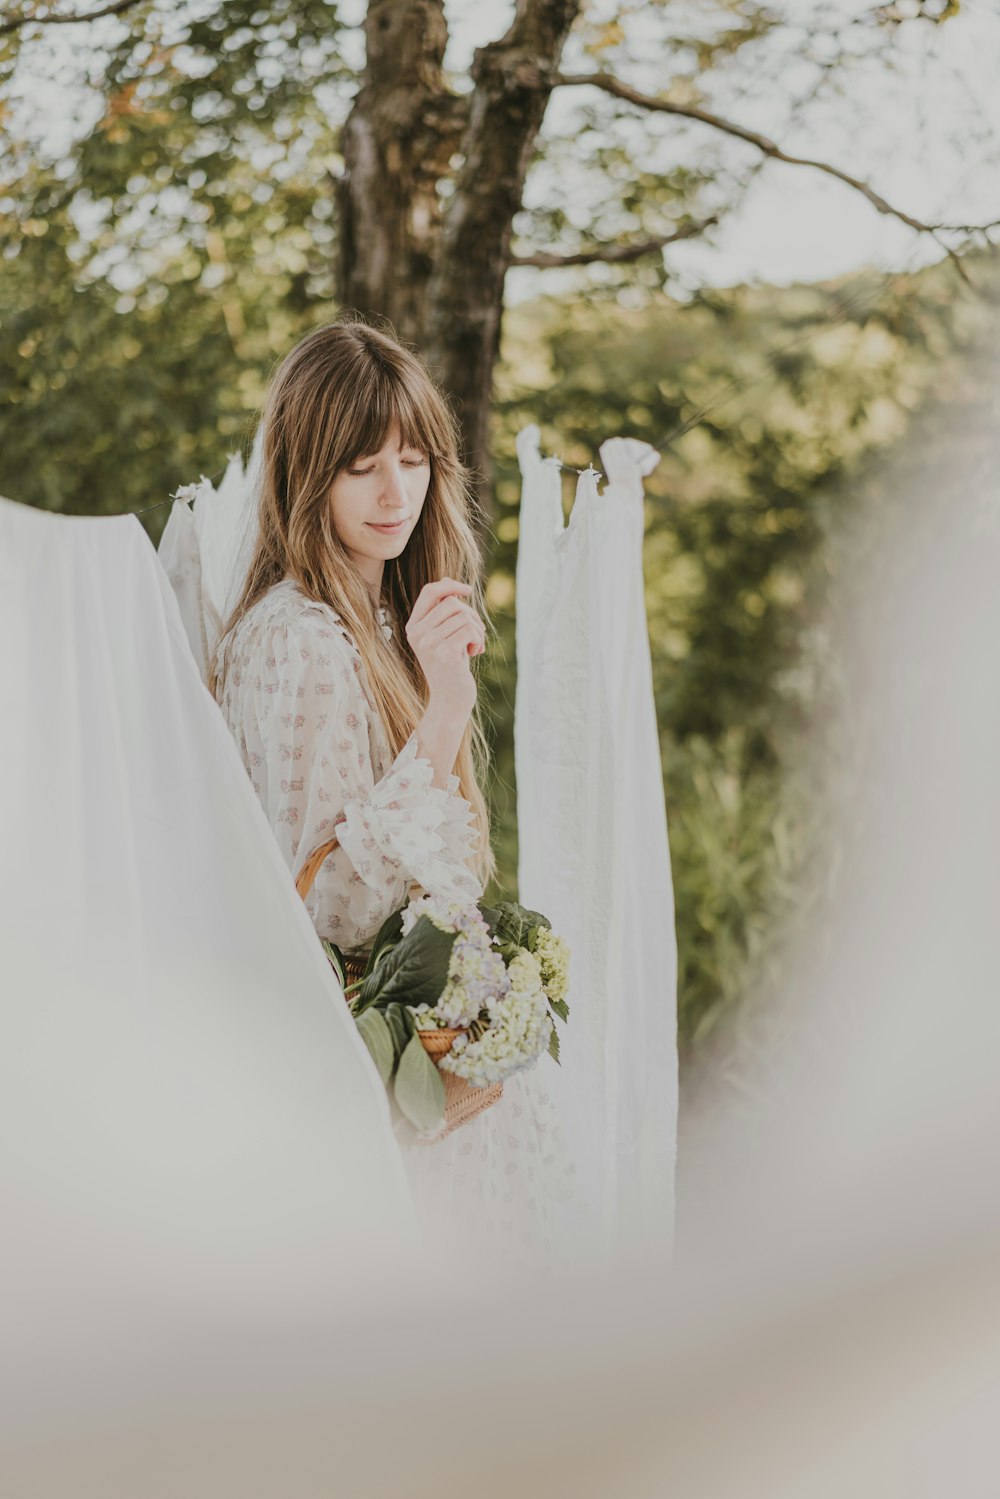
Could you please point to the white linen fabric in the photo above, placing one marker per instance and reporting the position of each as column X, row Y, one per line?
column 206, row 548
column 297, row 699
column 191, row 1118
column 592, row 826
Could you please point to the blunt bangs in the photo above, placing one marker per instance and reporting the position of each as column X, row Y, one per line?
column 391, row 401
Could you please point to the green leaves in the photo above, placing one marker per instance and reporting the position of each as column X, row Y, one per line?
column 388, row 935
column 415, row 971
column 407, row 1071
column 419, row 1087
column 401, row 1025
column 378, row 1038
column 404, row 971
column 336, row 957
column 513, row 925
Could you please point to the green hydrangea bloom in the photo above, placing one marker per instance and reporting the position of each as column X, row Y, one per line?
column 553, row 957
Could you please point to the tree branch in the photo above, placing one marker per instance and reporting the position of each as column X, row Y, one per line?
column 618, row 253
column 767, row 147
column 13, row 23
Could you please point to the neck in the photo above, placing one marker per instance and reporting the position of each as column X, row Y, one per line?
column 371, row 569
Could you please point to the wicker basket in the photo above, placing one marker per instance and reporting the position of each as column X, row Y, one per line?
column 462, row 1102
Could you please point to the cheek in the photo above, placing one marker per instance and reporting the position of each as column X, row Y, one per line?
column 348, row 508
column 418, row 487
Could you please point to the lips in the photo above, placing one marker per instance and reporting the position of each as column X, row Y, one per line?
column 387, row 530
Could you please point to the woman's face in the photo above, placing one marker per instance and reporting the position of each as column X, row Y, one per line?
column 376, row 503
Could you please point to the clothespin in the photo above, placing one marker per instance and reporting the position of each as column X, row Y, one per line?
column 189, row 492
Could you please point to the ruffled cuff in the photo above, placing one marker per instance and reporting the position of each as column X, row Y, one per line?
column 425, row 830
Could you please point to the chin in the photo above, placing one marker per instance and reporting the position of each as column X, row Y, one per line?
column 386, row 546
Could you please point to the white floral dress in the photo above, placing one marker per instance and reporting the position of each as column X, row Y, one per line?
column 297, row 700
column 296, row 697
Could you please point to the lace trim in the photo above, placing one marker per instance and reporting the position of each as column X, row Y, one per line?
column 426, row 831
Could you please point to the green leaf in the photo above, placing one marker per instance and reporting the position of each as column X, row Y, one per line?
column 415, row 971
column 401, row 1026
column 378, row 1038
column 515, row 925
column 336, row 958
column 419, row 1088
column 554, row 1046
column 559, row 1007
column 387, row 936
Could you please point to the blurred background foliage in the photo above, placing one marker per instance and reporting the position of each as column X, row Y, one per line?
column 812, row 394
column 150, row 278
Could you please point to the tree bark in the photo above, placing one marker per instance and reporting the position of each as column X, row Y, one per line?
column 431, row 186
column 405, row 125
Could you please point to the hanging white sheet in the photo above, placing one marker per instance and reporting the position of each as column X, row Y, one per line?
column 206, row 548
column 592, row 826
column 191, row 1119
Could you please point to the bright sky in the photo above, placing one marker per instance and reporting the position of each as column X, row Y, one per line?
column 927, row 137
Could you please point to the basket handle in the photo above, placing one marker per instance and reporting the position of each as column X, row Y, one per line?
column 310, row 869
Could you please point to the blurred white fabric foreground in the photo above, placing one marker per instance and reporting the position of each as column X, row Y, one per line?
column 592, row 828
column 832, row 1325
column 192, row 1126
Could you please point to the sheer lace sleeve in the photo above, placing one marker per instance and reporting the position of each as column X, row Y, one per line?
column 307, row 736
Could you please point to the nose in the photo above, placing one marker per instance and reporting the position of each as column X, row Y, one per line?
column 393, row 495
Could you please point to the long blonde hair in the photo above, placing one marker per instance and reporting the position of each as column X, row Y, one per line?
column 331, row 401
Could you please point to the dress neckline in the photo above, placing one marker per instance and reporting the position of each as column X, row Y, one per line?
column 385, row 618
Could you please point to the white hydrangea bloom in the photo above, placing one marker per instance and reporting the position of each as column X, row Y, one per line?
column 525, row 972
column 520, row 1029
column 477, row 977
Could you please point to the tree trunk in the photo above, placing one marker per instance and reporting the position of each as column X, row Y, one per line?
column 431, row 187
column 402, row 131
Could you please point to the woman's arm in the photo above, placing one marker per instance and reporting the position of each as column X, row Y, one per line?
column 307, row 721
column 439, row 734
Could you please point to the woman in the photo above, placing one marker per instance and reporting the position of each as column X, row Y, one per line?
column 345, row 675
column 363, row 528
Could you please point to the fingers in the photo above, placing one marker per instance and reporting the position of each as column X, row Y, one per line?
column 426, row 631
column 441, row 613
column 432, row 594
column 475, row 639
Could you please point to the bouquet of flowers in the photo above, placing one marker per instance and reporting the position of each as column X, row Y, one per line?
column 476, row 987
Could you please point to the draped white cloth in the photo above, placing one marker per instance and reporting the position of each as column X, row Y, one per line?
column 592, row 825
column 190, row 1116
column 206, row 548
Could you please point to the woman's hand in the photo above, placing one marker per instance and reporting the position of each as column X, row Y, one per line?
column 444, row 633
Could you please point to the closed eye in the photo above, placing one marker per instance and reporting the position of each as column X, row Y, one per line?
column 407, row 463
